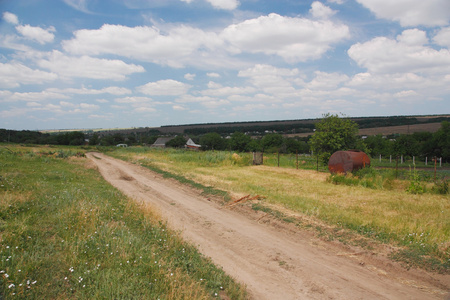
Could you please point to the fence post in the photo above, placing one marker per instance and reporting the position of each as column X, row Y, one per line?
column 426, row 161
column 278, row 158
column 435, row 163
column 380, row 157
column 401, row 159
column 440, row 162
column 414, row 160
column 390, row 159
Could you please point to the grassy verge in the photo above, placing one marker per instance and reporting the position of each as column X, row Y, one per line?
column 416, row 224
column 65, row 233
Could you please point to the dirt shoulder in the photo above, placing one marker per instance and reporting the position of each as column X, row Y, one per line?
column 274, row 260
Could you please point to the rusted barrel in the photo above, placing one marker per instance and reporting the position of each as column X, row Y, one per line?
column 348, row 161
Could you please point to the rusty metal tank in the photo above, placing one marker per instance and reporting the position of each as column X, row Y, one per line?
column 348, row 161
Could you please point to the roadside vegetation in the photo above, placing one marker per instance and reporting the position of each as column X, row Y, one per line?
column 368, row 206
column 67, row 234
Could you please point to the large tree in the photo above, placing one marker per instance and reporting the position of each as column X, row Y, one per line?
column 333, row 134
column 240, row 141
column 212, row 141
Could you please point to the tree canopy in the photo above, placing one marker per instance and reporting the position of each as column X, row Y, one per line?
column 333, row 134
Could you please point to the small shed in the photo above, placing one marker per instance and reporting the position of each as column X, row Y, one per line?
column 348, row 161
column 191, row 145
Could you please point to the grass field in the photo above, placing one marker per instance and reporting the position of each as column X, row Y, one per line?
column 417, row 224
column 67, row 234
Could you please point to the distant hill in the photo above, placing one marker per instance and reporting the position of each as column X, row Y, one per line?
column 302, row 128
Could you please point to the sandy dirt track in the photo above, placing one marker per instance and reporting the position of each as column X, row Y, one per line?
column 273, row 262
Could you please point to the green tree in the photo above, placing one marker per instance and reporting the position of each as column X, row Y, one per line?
column 441, row 141
column 272, row 142
column 406, row 145
column 239, row 141
column 178, row 142
column 212, row 141
column 333, row 134
column 94, row 140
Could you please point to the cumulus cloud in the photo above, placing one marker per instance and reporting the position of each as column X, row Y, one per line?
column 213, row 75
column 272, row 80
column 294, row 39
column 411, row 12
column 38, row 34
column 167, row 87
column 113, row 90
column 14, row 74
column 218, row 90
column 327, row 81
column 442, row 38
column 133, row 99
column 10, row 18
column 220, row 4
column 142, row 42
column 224, row 4
column 320, row 11
column 405, row 54
column 35, row 96
column 88, row 67
column 189, row 76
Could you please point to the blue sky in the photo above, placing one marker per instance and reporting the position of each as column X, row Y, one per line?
column 67, row 64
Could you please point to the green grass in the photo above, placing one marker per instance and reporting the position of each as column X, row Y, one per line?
column 377, row 206
column 66, row 233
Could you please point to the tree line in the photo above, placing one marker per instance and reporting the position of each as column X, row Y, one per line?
column 332, row 133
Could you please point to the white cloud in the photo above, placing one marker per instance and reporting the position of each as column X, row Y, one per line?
column 145, row 43
column 88, row 106
column 411, row 12
column 320, row 11
column 167, row 87
column 224, row 4
column 133, row 99
column 113, row 90
column 15, row 74
column 404, row 55
column 220, row 91
column 189, row 76
column 35, row 96
column 272, row 80
column 294, row 39
column 80, row 5
column 42, row 36
column 88, row 67
column 442, row 38
column 10, row 18
column 213, row 75
column 178, row 107
column 327, row 81
column 144, row 109
column 220, row 4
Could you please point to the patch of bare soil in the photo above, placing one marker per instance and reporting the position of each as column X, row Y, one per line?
column 274, row 259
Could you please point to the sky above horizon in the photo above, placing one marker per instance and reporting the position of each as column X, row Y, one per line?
column 73, row 64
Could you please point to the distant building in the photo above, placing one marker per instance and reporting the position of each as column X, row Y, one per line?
column 191, row 145
column 161, row 142
column 121, row 145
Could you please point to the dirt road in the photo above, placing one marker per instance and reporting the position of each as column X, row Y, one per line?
column 273, row 262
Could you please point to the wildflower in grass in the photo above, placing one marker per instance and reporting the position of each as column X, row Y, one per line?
column 11, row 285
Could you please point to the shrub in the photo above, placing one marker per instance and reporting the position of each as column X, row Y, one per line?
column 441, row 187
column 415, row 184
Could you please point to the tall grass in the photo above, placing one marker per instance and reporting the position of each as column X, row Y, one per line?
column 379, row 208
column 65, row 233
